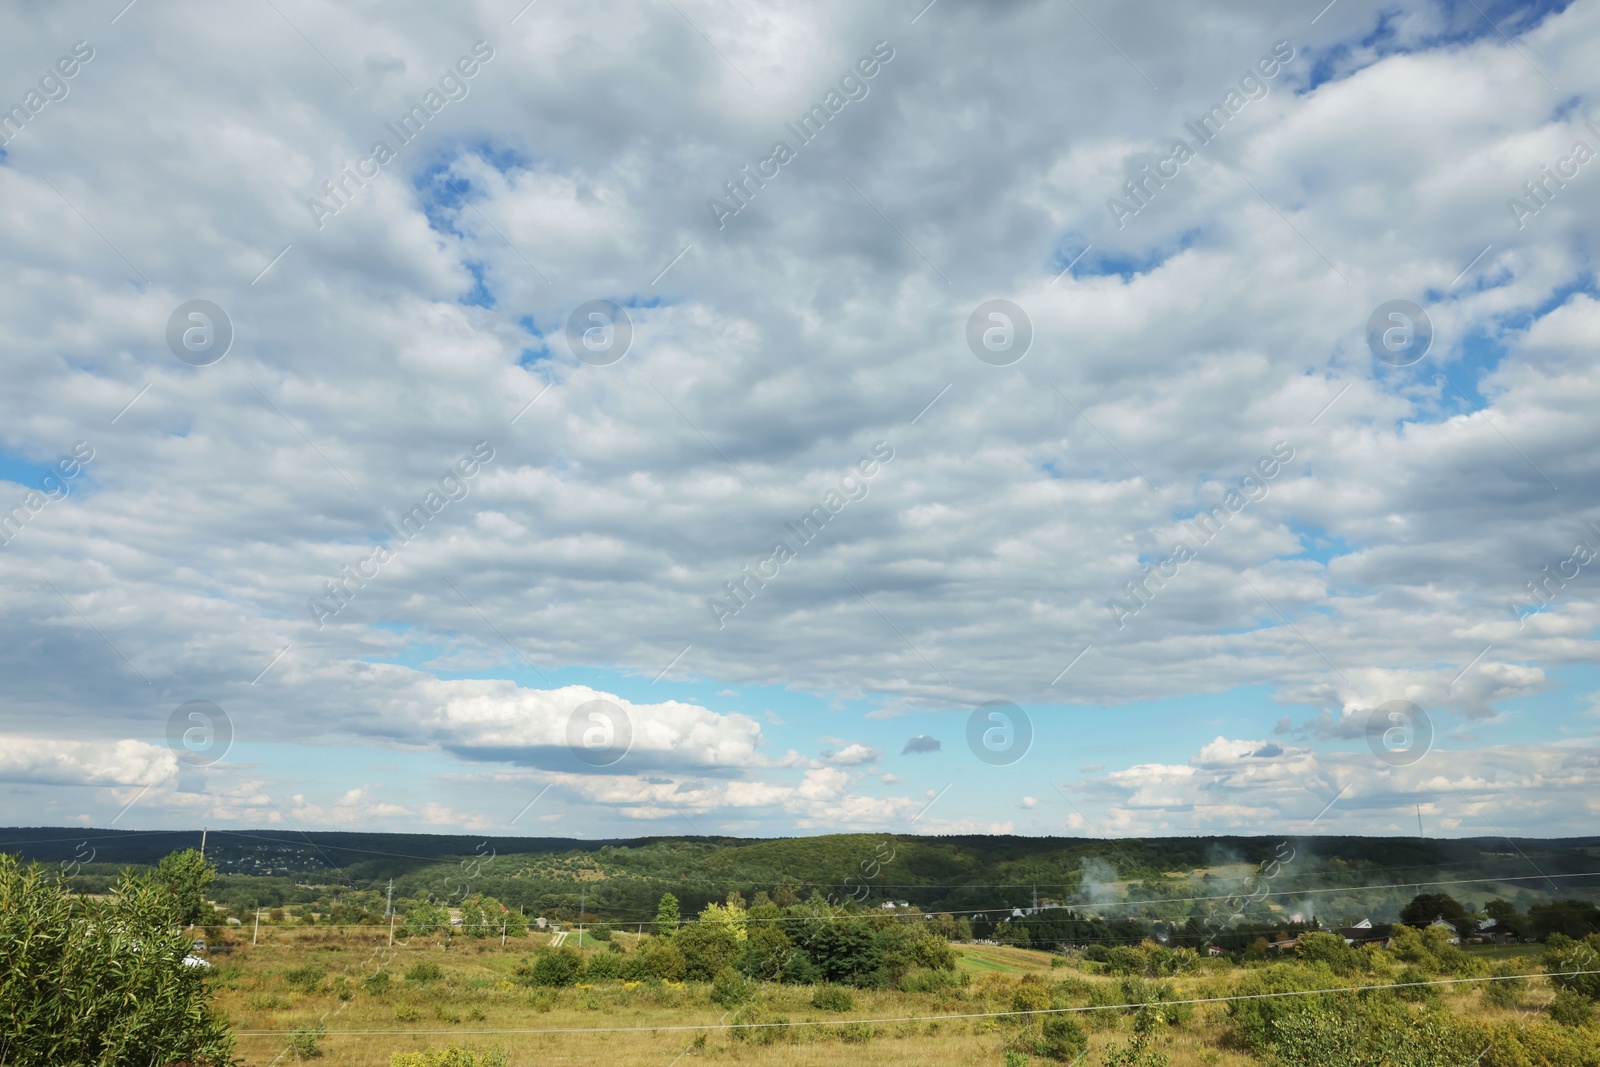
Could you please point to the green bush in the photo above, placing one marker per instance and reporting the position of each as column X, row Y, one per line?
column 730, row 988
column 1331, row 951
column 855, row 1033
column 307, row 979
column 1014, row 1059
column 1061, row 1038
column 99, row 982
column 921, row 981
column 306, row 1041
column 424, row 971
column 707, row 948
column 1571, row 1008
column 603, row 967
column 663, row 960
column 832, row 998
column 1508, row 988
column 1563, row 956
column 1423, row 993
column 426, row 920
column 1125, row 959
column 554, row 968
column 376, row 983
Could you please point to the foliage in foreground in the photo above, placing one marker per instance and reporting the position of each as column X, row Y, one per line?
column 99, row 982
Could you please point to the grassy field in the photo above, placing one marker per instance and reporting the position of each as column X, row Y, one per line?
column 300, row 977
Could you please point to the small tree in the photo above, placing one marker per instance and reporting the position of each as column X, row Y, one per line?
column 667, row 917
column 187, row 875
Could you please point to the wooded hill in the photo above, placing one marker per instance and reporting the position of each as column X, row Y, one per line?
column 1167, row 879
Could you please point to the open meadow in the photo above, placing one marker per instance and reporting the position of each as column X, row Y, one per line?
column 344, row 997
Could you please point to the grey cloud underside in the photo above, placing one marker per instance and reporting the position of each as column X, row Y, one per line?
column 980, row 561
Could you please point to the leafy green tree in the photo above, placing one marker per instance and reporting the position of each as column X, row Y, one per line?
column 707, row 948
column 100, row 982
column 765, row 951
column 483, row 916
column 187, row 875
column 1505, row 915
column 424, row 919
column 734, row 918
column 667, row 917
column 1574, row 918
column 1426, row 907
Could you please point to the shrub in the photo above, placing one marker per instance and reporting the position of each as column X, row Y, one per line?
column 1427, row 993
column 1571, row 1008
column 1254, row 1022
column 307, row 979
column 599, row 931
column 730, row 988
column 1061, row 1039
column 450, row 1056
column 555, row 968
column 1331, row 951
column 663, row 960
column 832, row 998
column 424, row 971
column 73, row 989
column 855, row 1033
column 1030, row 994
column 603, row 967
column 306, row 1041
column 1564, row 956
column 1125, row 959
column 376, row 983
column 1506, row 991
column 1013, row 1059
column 920, row 981
column 707, row 948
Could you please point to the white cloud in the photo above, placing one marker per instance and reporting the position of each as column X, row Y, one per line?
column 765, row 363
column 48, row 761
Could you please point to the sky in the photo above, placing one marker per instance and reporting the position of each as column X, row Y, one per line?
column 622, row 419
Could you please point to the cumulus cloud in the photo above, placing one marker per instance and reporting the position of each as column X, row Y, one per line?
column 771, row 357
column 51, row 761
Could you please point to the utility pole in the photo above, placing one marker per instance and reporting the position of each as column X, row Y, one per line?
column 256, row 936
column 1419, row 820
column 391, row 929
column 388, row 907
column 202, row 841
